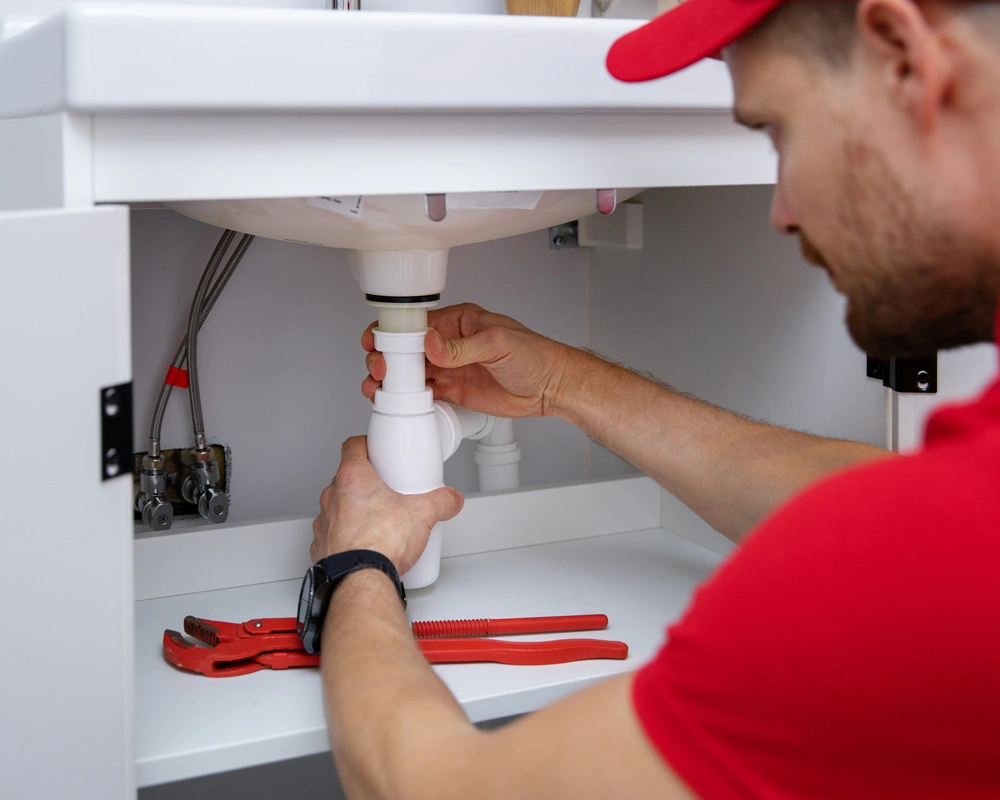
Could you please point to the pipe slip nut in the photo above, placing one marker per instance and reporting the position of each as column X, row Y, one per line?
column 404, row 403
column 388, row 342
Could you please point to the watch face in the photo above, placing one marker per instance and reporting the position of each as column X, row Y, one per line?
column 306, row 595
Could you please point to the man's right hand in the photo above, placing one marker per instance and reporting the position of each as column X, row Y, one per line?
column 729, row 470
column 484, row 362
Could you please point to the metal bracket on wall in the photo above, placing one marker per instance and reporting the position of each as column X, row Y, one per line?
column 116, row 430
column 563, row 236
column 910, row 375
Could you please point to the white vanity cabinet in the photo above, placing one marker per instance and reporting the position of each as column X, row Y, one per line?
column 109, row 111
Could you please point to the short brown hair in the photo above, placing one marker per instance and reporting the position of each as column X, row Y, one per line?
column 827, row 30
column 817, row 28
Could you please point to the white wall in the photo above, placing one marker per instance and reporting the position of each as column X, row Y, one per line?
column 719, row 306
column 281, row 362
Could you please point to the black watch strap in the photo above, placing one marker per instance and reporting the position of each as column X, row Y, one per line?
column 323, row 578
column 340, row 565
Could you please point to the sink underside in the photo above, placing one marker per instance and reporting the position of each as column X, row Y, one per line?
column 396, row 222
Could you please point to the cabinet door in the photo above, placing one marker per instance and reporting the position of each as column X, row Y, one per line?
column 66, row 700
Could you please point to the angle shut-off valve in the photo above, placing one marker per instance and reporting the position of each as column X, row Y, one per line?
column 150, row 502
column 200, row 487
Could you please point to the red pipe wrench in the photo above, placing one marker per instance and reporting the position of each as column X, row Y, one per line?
column 272, row 643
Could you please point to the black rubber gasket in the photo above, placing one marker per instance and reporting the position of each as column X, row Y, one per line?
column 425, row 298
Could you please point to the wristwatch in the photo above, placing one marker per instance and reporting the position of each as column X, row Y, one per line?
column 320, row 581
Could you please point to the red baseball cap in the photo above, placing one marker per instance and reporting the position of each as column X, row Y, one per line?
column 690, row 32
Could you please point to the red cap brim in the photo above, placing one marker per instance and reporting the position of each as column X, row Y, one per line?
column 688, row 33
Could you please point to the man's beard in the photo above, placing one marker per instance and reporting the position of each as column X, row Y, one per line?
column 913, row 284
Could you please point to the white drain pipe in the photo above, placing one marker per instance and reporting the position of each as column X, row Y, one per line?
column 410, row 435
column 498, row 458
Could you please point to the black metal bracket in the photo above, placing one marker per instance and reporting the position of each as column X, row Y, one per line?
column 563, row 236
column 116, row 430
column 916, row 375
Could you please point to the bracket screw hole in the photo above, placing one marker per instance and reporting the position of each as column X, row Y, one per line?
column 111, row 467
column 111, row 406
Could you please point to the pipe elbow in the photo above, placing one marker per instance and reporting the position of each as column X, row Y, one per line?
column 456, row 423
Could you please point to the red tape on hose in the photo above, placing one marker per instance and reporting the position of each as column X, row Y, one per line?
column 177, row 377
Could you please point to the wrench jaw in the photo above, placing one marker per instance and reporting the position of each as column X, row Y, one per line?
column 175, row 640
column 224, row 661
column 211, row 632
column 225, row 649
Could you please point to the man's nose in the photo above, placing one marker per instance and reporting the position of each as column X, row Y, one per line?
column 782, row 219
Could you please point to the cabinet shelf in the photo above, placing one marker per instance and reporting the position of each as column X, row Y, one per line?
column 189, row 725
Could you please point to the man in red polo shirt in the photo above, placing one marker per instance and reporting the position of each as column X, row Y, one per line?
column 835, row 654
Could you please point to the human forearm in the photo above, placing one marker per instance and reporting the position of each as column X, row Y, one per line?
column 389, row 714
column 730, row 470
column 395, row 729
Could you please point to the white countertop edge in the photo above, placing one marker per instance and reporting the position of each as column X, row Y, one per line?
column 158, row 770
column 100, row 58
column 155, row 771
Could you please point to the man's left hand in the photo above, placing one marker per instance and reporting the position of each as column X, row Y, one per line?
column 359, row 512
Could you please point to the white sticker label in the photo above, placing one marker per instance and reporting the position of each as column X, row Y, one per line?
column 524, row 201
column 351, row 206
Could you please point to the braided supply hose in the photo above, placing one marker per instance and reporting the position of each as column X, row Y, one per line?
column 182, row 351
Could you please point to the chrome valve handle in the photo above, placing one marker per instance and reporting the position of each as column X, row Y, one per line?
column 156, row 510
column 200, row 488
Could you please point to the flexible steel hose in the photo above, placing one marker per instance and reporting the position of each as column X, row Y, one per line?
column 194, row 390
column 209, row 303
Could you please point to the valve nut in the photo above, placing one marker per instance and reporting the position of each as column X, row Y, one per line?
column 158, row 514
column 202, row 456
column 153, row 482
column 151, row 463
column 213, row 505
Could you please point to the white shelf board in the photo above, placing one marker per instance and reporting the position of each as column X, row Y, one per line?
column 189, row 725
column 203, row 557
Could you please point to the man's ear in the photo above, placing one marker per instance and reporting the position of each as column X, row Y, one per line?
column 907, row 53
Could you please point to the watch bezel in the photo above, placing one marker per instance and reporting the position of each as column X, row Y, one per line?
column 316, row 591
column 319, row 583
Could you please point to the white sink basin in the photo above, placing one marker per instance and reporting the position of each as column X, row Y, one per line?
column 397, row 222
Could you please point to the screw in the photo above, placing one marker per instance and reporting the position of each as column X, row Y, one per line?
column 218, row 510
column 111, row 402
column 162, row 519
column 258, row 624
column 111, row 467
column 559, row 241
column 923, row 380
